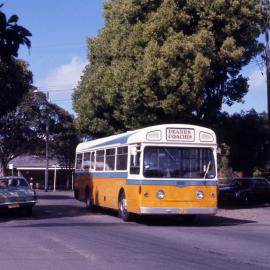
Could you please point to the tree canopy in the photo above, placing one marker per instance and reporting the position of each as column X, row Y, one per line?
column 22, row 131
column 247, row 135
column 166, row 61
column 15, row 78
column 12, row 36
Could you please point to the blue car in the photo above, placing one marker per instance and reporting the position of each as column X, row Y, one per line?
column 246, row 190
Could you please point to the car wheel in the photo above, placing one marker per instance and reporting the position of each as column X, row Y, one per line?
column 27, row 211
column 122, row 207
column 245, row 200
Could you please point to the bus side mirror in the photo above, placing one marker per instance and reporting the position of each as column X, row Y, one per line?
column 133, row 151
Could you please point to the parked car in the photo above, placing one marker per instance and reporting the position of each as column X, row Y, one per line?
column 16, row 193
column 246, row 190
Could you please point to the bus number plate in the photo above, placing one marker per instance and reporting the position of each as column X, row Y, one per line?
column 182, row 211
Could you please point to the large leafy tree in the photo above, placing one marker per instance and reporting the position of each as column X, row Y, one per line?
column 15, row 78
column 159, row 61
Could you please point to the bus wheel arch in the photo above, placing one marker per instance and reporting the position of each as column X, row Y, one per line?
column 122, row 206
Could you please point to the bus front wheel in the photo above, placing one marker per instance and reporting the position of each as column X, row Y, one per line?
column 122, row 207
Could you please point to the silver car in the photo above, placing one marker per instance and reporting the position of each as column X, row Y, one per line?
column 16, row 193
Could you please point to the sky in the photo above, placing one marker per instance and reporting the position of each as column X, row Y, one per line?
column 58, row 54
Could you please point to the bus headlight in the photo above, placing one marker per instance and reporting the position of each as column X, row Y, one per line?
column 160, row 194
column 199, row 194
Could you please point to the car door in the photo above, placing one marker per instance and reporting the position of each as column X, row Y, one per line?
column 262, row 189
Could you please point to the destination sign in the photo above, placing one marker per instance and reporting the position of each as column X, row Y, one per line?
column 180, row 134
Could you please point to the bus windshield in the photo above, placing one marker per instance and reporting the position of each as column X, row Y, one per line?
column 178, row 162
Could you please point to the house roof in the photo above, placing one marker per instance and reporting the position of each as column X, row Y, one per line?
column 32, row 162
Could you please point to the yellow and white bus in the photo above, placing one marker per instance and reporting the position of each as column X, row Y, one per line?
column 163, row 170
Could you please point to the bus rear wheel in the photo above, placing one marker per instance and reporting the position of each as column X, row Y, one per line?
column 122, row 207
column 88, row 200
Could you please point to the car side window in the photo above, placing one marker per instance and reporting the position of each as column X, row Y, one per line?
column 243, row 183
column 261, row 183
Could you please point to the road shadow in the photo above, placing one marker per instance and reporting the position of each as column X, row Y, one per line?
column 235, row 206
column 200, row 221
column 62, row 204
column 44, row 212
column 49, row 206
column 42, row 195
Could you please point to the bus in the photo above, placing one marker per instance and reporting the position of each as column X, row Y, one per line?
column 168, row 169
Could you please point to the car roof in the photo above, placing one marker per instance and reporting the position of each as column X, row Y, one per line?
column 251, row 177
column 11, row 177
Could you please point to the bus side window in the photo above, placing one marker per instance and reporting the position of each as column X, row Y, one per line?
column 121, row 158
column 78, row 161
column 110, row 159
column 86, row 161
column 135, row 158
column 100, row 160
column 92, row 164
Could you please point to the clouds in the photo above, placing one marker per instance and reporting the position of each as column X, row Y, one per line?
column 61, row 81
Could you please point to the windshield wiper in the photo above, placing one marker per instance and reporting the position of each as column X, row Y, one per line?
column 207, row 169
column 169, row 154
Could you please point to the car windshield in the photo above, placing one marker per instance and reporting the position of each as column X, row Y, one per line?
column 13, row 183
column 178, row 162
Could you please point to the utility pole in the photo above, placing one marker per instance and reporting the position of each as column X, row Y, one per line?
column 47, row 148
column 267, row 61
column 46, row 180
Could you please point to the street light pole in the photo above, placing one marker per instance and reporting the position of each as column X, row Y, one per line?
column 47, row 149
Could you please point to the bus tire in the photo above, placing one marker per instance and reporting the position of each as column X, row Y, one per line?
column 88, row 200
column 122, row 207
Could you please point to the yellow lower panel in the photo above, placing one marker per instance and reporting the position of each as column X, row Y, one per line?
column 184, row 197
column 105, row 192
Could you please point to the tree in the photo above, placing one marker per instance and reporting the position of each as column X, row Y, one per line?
column 15, row 78
column 15, row 82
column 247, row 135
column 19, row 132
column 166, row 61
column 12, row 36
column 65, row 138
column 22, row 131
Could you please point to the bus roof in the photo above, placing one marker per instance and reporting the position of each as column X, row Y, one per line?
column 168, row 133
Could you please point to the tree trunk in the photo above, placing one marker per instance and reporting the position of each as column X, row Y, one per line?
column 3, row 168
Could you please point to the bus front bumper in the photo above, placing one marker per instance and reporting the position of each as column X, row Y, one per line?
column 177, row 211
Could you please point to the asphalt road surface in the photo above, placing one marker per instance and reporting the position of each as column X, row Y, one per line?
column 62, row 235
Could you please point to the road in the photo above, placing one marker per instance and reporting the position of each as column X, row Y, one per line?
column 61, row 234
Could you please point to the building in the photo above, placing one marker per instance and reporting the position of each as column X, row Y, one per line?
column 33, row 169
